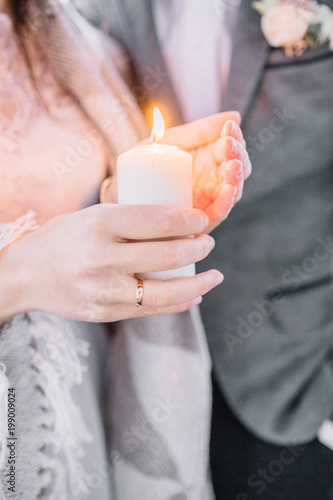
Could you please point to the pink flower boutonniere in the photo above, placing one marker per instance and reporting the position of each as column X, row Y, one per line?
column 295, row 25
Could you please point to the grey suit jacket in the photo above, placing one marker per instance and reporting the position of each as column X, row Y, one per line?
column 270, row 325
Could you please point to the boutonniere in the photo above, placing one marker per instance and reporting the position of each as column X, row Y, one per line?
column 295, row 25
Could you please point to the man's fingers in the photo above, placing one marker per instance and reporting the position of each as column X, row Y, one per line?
column 233, row 149
column 231, row 172
column 222, row 206
column 234, row 176
column 218, row 151
column 199, row 133
column 232, row 129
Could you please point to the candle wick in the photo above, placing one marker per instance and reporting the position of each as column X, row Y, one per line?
column 153, row 138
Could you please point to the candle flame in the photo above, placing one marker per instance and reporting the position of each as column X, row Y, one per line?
column 158, row 128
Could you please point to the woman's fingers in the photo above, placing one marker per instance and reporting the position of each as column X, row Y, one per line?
column 124, row 311
column 151, row 222
column 158, row 293
column 152, row 311
column 179, row 290
column 143, row 257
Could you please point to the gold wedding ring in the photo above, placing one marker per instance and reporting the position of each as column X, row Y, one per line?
column 104, row 187
column 139, row 292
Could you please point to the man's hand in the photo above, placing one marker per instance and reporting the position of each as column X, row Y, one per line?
column 220, row 160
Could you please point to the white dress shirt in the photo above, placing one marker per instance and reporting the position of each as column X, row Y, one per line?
column 196, row 45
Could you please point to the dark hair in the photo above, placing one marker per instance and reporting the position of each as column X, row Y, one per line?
column 19, row 10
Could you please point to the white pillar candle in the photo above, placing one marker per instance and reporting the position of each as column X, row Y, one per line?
column 156, row 174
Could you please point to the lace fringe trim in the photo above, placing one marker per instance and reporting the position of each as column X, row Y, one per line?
column 9, row 233
column 56, row 360
column 12, row 231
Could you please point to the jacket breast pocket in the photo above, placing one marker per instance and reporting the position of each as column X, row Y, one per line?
column 278, row 58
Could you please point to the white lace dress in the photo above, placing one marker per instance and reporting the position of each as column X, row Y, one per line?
column 52, row 164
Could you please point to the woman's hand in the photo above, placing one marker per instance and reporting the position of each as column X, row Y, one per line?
column 81, row 266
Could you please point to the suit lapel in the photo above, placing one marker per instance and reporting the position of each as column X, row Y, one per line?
column 156, row 88
column 250, row 52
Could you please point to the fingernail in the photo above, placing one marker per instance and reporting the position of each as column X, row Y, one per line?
column 205, row 221
column 211, row 242
column 234, row 129
column 196, row 302
column 218, row 278
column 235, row 147
column 233, row 201
column 239, row 115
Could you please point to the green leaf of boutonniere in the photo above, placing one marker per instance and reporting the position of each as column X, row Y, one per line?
column 295, row 25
